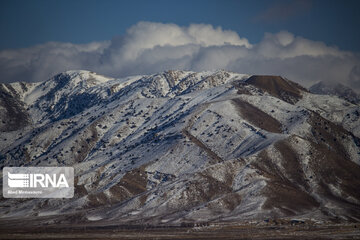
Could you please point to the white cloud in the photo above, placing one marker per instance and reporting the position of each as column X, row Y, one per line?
column 152, row 47
column 354, row 76
column 286, row 45
column 42, row 61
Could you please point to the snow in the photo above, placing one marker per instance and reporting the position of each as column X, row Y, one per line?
column 178, row 125
column 330, row 107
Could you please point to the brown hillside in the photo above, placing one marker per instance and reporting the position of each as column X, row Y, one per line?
column 278, row 87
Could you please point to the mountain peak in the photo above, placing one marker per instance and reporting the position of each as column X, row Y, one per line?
column 84, row 77
column 278, row 87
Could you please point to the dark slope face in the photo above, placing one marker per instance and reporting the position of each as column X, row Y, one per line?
column 257, row 117
column 327, row 177
column 13, row 115
column 278, row 87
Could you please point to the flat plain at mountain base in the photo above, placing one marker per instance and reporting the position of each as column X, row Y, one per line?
column 212, row 231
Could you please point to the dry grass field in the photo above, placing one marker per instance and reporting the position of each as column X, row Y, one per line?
column 271, row 230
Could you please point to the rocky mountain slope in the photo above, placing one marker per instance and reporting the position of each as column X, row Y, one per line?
column 181, row 146
column 336, row 89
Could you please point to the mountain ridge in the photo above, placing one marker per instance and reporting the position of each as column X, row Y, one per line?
column 336, row 89
column 183, row 146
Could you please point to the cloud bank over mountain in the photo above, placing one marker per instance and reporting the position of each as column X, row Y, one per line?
column 149, row 47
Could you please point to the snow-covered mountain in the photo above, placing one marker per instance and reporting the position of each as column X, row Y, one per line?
column 336, row 89
column 183, row 146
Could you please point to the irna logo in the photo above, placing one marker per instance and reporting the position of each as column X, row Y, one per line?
column 38, row 182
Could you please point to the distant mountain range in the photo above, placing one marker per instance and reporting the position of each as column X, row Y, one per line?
column 336, row 89
column 178, row 147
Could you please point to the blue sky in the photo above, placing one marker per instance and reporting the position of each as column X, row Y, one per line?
column 306, row 41
column 25, row 23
